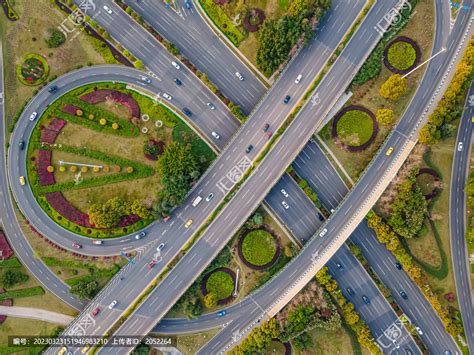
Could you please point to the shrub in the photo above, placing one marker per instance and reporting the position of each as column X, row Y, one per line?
column 258, row 247
column 102, row 121
column 401, row 55
column 79, row 112
column 50, row 169
column 355, row 128
column 393, row 88
column 384, row 116
column 221, row 284
column 84, row 169
column 56, row 38
column 24, row 292
column 210, row 300
column 115, row 125
column 13, row 277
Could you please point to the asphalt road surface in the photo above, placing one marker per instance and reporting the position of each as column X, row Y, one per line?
column 12, row 228
column 197, row 42
column 270, row 169
column 457, row 217
column 275, row 111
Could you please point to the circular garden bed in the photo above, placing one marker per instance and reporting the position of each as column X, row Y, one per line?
column 221, row 282
column 429, row 182
column 254, row 19
column 89, row 164
column 33, row 70
column 355, row 128
column 401, row 55
column 258, row 249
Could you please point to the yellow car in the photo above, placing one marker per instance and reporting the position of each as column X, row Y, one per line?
column 472, row 118
column 389, row 151
column 22, row 180
column 188, row 223
column 85, row 349
column 62, row 351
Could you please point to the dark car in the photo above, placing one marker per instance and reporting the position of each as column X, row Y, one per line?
column 187, row 112
column 21, row 144
column 266, row 127
column 350, row 291
column 249, row 148
column 320, row 216
column 287, row 99
column 187, row 3
column 222, row 313
column 178, row 82
column 403, row 294
column 366, row 299
column 52, row 89
column 398, row 266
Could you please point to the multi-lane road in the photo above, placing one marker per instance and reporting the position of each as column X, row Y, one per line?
column 457, row 217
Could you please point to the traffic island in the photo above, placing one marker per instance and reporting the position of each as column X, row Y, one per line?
column 401, row 55
column 221, row 282
column 354, row 128
column 258, row 249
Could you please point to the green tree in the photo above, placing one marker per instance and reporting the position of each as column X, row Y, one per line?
column 385, row 116
column 210, row 300
column 85, row 289
column 409, row 209
column 108, row 214
column 303, row 342
column 56, row 38
column 393, row 88
column 13, row 277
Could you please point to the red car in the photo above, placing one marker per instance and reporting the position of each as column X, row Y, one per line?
column 151, row 264
column 268, row 135
column 167, row 218
column 77, row 246
column 95, row 312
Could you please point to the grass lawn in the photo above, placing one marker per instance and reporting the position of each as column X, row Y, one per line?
column 221, row 284
column 85, row 132
column 275, row 347
column 401, row 55
column 26, row 327
column 470, row 223
column 355, row 128
column 31, row 31
column 190, row 344
column 258, row 247
column 224, row 14
column 329, row 342
column 426, row 183
column 420, row 29
column 440, row 158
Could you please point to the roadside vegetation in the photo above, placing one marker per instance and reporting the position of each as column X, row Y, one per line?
column 91, row 193
column 215, row 286
column 381, row 91
column 266, row 32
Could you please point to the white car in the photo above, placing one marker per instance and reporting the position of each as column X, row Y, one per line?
column 285, row 205
column 176, row 65
column 107, row 9
column 215, row 135
column 211, row 106
column 209, row 197
column 298, row 79
column 459, row 146
column 97, row 242
column 33, row 116
column 146, row 79
column 113, row 304
column 323, row 233
column 418, row 329
column 167, row 97
column 283, row 191
column 238, row 75
column 160, row 247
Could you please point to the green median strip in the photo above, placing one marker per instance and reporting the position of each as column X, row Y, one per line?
column 233, row 191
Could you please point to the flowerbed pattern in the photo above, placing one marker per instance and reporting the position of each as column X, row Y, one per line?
column 254, row 19
column 51, row 132
column 97, row 96
column 33, row 70
column 5, row 248
column 44, row 160
column 68, row 211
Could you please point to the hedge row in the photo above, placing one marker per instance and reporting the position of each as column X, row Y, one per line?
column 139, row 170
column 24, row 292
column 11, row 262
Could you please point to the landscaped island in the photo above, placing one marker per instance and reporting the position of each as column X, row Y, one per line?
column 99, row 160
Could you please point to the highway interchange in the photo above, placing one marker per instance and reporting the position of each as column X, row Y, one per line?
column 132, row 77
